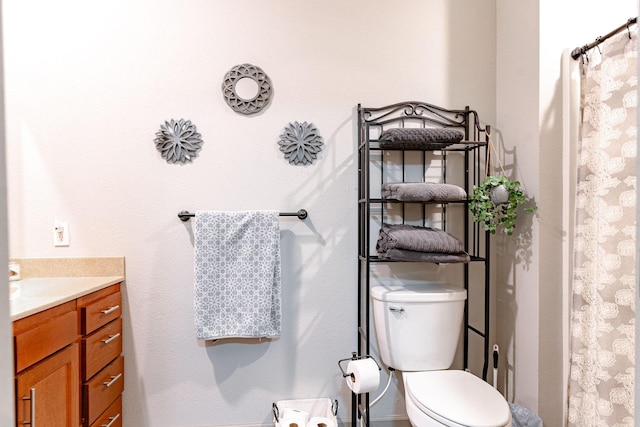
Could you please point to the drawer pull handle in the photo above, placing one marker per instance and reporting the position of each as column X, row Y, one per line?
column 32, row 412
column 111, row 421
column 114, row 378
column 110, row 309
column 111, row 338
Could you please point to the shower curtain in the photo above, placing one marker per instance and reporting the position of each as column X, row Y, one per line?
column 601, row 383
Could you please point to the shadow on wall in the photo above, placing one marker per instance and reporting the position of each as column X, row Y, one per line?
column 132, row 374
column 512, row 251
column 521, row 240
column 314, row 312
column 230, row 355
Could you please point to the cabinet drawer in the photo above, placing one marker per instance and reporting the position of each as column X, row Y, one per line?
column 100, row 312
column 39, row 342
column 112, row 417
column 100, row 348
column 102, row 390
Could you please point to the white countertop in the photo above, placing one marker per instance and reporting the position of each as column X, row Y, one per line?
column 30, row 296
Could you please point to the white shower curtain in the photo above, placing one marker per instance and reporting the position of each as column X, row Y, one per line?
column 601, row 383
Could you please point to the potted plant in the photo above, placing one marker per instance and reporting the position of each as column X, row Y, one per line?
column 495, row 201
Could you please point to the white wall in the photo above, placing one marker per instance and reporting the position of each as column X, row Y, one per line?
column 583, row 25
column 6, row 359
column 531, row 38
column 87, row 86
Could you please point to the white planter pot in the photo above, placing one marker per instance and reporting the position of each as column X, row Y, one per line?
column 499, row 195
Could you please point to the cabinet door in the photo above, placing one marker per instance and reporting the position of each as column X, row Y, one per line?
column 48, row 391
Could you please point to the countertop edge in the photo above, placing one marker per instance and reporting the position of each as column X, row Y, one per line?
column 35, row 304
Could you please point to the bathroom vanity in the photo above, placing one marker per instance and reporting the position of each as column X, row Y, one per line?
column 69, row 366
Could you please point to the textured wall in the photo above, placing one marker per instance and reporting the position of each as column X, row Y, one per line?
column 531, row 38
column 6, row 361
column 89, row 83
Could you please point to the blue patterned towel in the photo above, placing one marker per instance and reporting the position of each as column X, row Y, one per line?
column 237, row 274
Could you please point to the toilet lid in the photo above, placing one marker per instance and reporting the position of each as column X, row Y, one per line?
column 458, row 397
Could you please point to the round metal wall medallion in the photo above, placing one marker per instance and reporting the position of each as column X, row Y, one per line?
column 254, row 96
column 178, row 141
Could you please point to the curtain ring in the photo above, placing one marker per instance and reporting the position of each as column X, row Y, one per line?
column 629, row 21
column 599, row 40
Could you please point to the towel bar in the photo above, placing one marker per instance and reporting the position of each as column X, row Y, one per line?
column 301, row 214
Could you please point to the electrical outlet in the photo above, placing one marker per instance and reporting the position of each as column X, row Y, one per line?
column 61, row 233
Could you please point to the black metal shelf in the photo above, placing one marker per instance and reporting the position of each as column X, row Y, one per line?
column 375, row 258
column 473, row 150
column 380, row 201
column 460, row 146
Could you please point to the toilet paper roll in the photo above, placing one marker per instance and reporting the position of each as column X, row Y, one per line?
column 321, row 422
column 364, row 376
column 294, row 418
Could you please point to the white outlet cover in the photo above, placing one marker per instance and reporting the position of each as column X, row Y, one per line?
column 61, row 234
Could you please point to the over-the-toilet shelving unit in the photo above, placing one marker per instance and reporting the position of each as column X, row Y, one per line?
column 467, row 169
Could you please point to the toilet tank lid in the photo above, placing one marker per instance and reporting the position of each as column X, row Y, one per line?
column 430, row 292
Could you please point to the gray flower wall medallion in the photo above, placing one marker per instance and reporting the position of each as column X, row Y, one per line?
column 178, row 141
column 256, row 89
column 300, row 143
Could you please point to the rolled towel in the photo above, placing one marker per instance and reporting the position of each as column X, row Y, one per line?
column 415, row 238
column 422, row 192
column 420, row 138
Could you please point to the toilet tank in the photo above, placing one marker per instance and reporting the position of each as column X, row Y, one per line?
column 418, row 326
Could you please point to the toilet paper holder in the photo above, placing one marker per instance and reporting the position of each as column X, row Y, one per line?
column 355, row 356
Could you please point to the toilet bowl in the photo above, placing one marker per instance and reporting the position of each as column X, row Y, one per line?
column 453, row 398
column 417, row 328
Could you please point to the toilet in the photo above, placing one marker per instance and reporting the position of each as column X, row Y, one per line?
column 418, row 327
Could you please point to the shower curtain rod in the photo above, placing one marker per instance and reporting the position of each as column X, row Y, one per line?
column 575, row 54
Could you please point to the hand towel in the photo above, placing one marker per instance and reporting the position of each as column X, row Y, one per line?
column 237, row 274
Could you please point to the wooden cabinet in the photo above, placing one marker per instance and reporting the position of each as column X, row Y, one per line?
column 47, row 368
column 102, row 361
column 48, row 391
column 69, row 365
column 112, row 417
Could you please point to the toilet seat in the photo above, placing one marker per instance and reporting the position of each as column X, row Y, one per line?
column 457, row 398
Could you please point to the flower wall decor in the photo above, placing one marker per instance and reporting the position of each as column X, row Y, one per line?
column 178, row 141
column 261, row 97
column 300, row 143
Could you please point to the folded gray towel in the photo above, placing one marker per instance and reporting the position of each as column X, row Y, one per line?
column 420, row 239
column 422, row 192
column 434, row 257
column 420, row 138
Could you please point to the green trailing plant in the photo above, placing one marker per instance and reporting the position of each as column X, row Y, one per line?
column 487, row 209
